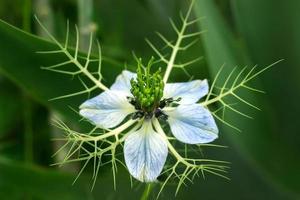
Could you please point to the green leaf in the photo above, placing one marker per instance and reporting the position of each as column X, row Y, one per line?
column 270, row 34
column 18, row 181
column 10, row 106
column 258, row 143
column 20, row 63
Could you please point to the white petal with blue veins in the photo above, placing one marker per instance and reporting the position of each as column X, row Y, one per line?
column 192, row 124
column 145, row 153
column 107, row 110
column 122, row 82
column 189, row 92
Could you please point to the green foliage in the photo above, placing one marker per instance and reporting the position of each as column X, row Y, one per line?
column 237, row 33
column 18, row 180
column 29, row 64
column 258, row 141
column 269, row 35
column 10, row 106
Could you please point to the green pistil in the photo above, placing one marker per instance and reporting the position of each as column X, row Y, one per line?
column 147, row 88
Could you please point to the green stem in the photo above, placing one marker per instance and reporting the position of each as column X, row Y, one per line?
column 27, row 15
column 177, row 44
column 149, row 187
column 72, row 58
column 43, row 10
column 114, row 132
column 85, row 15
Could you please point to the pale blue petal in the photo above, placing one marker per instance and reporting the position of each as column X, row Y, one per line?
column 145, row 153
column 122, row 82
column 189, row 92
column 192, row 124
column 107, row 110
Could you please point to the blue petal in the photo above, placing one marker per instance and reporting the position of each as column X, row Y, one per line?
column 145, row 153
column 122, row 82
column 192, row 124
column 189, row 92
column 107, row 110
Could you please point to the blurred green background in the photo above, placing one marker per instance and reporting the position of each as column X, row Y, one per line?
column 265, row 156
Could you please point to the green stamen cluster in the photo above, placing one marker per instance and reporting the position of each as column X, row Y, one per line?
column 147, row 89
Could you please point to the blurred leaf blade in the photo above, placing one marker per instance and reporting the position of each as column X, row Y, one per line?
column 276, row 27
column 255, row 143
column 18, row 179
column 271, row 156
column 10, row 106
column 25, row 70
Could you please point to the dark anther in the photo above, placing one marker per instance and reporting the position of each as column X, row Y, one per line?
column 165, row 102
column 149, row 115
column 138, row 114
column 178, row 99
column 160, row 114
column 162, row 104
column 133, row 102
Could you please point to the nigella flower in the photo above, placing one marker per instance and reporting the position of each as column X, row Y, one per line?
column 144, row 97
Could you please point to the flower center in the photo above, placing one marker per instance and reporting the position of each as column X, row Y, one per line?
column 147, row 90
